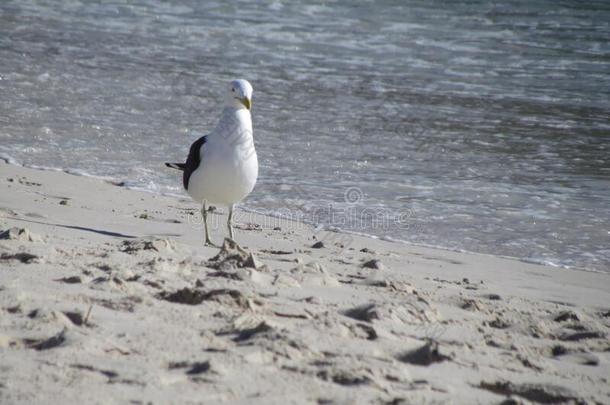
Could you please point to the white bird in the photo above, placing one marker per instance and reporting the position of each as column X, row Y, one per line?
column 222, row 167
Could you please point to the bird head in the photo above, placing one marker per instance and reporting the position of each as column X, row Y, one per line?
column 240, row 94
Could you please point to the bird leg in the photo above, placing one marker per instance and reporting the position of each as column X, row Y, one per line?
column 229, row 221
column 204, row 214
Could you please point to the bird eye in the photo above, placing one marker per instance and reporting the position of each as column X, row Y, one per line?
column 233, row 90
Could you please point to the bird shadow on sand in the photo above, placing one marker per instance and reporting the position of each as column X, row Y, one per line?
column 166, row 234
column 80, row 228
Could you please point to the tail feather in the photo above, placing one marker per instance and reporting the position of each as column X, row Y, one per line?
column 179, row 166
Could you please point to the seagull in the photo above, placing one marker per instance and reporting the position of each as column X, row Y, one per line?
column 222, row 167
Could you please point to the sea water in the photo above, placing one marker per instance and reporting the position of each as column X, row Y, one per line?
column 475, row 125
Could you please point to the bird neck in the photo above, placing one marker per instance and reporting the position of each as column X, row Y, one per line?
column 235, row 123
column 231, row 110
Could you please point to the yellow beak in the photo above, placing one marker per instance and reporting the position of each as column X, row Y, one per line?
column 247, row 102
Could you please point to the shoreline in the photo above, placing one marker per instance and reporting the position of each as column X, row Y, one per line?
column 107, row 292
column 326, row 228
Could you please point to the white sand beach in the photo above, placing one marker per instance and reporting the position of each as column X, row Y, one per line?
column 107, row 295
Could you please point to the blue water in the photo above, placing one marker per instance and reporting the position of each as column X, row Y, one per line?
column 467, row 125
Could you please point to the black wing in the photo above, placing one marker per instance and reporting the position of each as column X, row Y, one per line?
column 179, row 166
column 193, row 160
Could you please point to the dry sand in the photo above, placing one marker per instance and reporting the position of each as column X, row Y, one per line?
column 108, row 296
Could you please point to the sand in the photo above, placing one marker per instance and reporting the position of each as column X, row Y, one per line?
column 108, row 296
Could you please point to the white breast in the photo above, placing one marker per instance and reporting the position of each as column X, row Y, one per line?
column 229, row 165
